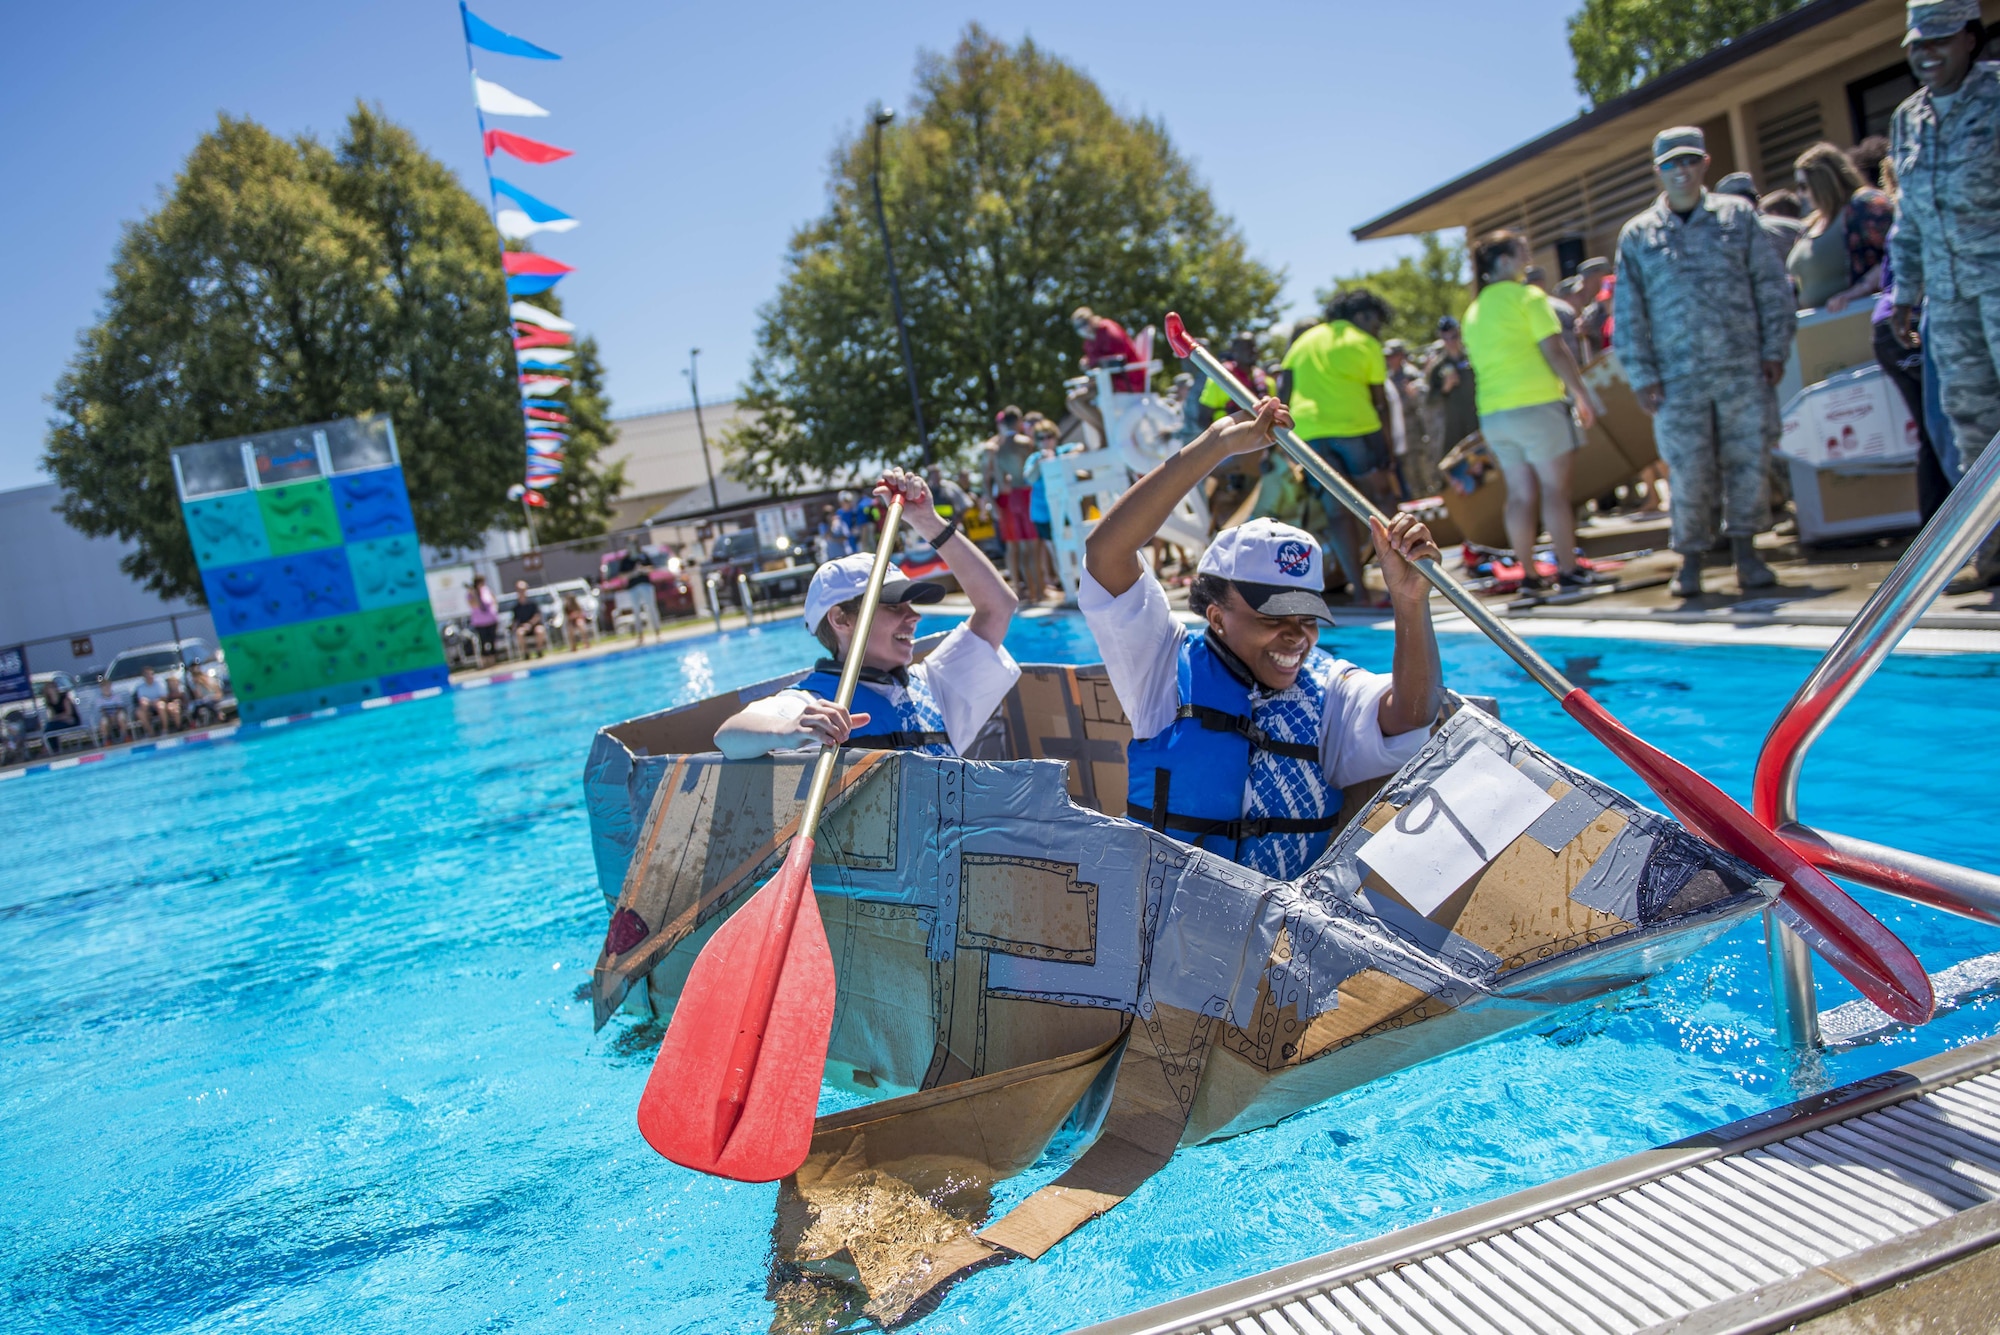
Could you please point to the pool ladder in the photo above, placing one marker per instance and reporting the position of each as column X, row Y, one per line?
column 1944, row 545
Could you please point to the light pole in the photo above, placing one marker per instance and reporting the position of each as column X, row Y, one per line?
column 694, row 388
column 881, row 116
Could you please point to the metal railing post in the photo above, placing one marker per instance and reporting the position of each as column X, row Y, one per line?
column 714, row 586
column 1794, row 997
column 743, row 597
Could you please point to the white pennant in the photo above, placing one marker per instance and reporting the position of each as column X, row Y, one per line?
column 518, row 226
column 497, row 101
column 551, row 355
column 542, row 386
column 529, row 313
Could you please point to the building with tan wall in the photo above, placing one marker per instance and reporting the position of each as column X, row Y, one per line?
column 1832, row 70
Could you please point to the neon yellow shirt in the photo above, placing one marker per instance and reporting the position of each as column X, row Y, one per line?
column 1504, row 328
column 1332, row 366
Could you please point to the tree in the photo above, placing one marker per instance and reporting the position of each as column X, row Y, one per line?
column 1619, row 44
column 1014, row 193
column 282, row 282
column 1421, row 290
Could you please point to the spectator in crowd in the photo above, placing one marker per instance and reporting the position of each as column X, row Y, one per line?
column 844, row 530
column 1946, row 247
column 1838, row 257
column 1334, row 380
column 1416, row 460
column 152, row 710
column 530, row 627
column 1581, row 292
column 58, row 707
column 1784, row 229
column 1703, row 322
column 1048, row 438
column 1868, row 157
column 1537, row 277
column 1103, row 341
column 1905, row 368
column 1242, row 363
column 113, row 721
column 1453, row 387
column 1524, row 366
column 204, row 692
column 485, row 614
column 1006, row 458
column 577, row 630
column 636, row 566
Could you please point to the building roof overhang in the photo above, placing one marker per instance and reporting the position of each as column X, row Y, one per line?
column 1812, row 37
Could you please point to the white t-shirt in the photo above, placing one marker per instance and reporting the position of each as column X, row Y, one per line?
column 1141, row 641
column 967, row 677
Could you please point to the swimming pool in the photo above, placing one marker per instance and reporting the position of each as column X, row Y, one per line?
column 293, row 1034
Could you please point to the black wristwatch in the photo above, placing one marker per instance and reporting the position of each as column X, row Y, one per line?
column 945, row 534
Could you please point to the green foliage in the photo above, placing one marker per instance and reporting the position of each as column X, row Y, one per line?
column 1420, row 289
column 1619, row 44
column 1014, row 194
column 285, row 281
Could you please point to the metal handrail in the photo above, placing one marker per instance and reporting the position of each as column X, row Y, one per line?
column 1945, row 544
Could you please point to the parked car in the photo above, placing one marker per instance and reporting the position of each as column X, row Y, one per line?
column 739, row 552
column 671, row 589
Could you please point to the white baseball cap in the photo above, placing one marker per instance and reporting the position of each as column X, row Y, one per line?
column 837, row 581
column 1277, row 568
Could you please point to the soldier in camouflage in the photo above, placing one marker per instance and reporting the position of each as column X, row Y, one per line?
column 1945, row 142
column 1704, row 319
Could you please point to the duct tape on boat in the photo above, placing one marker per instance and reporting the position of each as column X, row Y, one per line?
column 1449, row 831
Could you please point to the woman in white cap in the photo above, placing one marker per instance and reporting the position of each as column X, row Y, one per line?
column 937, row 706
column 1244, row 735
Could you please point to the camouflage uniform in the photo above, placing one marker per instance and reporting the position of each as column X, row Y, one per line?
column 1946, row 246
column 1699, row 307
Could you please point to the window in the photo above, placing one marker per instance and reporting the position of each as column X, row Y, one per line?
column 1872, row 102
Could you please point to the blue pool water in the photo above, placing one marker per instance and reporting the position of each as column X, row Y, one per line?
column 291, row 1036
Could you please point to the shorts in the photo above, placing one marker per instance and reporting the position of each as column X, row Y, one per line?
column 1354, row 456
column 1012, row 507
column 488, row 635
column 1538, row 434
column 1044, row 530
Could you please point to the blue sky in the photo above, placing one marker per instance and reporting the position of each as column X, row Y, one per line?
column 702, row 133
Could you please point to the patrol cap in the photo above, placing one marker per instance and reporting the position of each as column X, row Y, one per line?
column 1679, row 142
column 837, row 581
column 1277, row 568
column 1738, row 183
column 1932, row 20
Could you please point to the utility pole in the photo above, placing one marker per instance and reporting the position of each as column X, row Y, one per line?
column 881, row 116
column 694, row 388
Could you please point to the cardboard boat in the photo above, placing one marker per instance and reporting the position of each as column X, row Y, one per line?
column 1015, row 958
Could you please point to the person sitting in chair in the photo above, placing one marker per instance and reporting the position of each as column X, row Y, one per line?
column 531, row 628
column 1244, row 735
column 937, row 706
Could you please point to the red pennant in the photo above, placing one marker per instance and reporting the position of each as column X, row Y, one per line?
column 541, row 338
column 544, row 415
column 528, row 262
column 524, row 148
column 536, row 499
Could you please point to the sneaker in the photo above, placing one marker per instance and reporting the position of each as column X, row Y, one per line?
column 1584, row 579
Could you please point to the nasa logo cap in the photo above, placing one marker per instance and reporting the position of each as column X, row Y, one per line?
column 1277, row 568
column 837, row 581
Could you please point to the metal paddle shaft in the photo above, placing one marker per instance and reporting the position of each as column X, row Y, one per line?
column 736, row 1083
column 1865, row 952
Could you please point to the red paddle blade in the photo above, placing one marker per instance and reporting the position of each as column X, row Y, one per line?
column 686, row 1112
column 1177, row 334
column 1865, row 952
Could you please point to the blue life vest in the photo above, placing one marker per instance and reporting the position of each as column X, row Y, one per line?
column 917, row 724
column 1228, row 733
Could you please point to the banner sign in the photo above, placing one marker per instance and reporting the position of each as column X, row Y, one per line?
column 14, row 683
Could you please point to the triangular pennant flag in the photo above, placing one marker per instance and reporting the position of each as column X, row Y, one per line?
column 541, row 338
column 527, row 285
column 544, row 415
column 546, row 359
column 534, row 385
column 497, row 101
column 518, row 226
column 527, row 313
column 484, row 35
column 524, row 148
column 528, row 262
column 534, row 208
column 547, row 433
column 536, row 450
column 536, row 499
column 553, row 405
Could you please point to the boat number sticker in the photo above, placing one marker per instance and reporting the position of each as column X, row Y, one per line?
column 1453, row 828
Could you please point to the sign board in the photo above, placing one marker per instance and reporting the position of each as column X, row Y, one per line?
column 448, row 586
column 795, row 518
column 14, row 683
column 81, row 647
column 770, row 525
